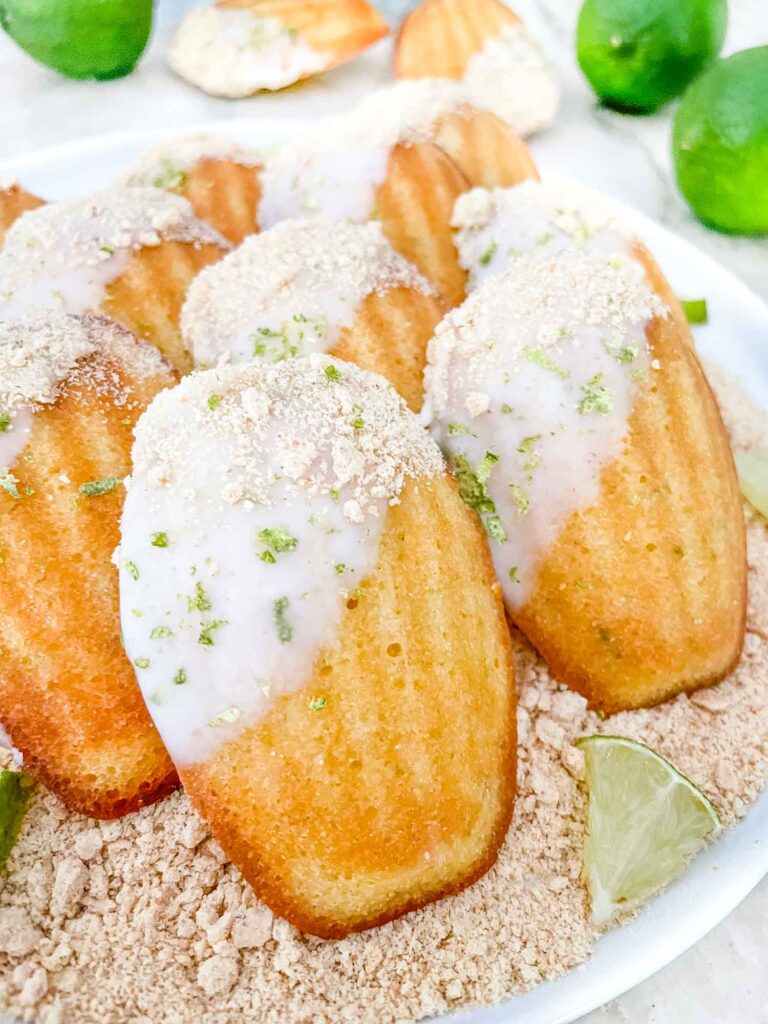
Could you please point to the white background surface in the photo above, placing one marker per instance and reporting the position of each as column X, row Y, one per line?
column 724, row 979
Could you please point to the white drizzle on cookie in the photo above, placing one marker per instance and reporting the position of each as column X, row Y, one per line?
column 494, row 227
column 235, row 52
column 529, row 388
column 255, row 507
column 512, row 78
column 336, row 169
column 290, row 291
column 168, row 165
column 64, row 255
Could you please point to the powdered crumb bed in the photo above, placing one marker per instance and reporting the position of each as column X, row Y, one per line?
column 143, row 921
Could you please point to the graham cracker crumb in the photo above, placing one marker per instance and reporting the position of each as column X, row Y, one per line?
column 164, row 931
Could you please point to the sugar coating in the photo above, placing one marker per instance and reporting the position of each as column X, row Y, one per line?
column 320, row 424
column 529, row 388
column 38, row 354
column 166, row 166
column 145, row 919
column 235, row 52
column 512, row 78
column 493, row 227
column 290, row 290
column 97, row 227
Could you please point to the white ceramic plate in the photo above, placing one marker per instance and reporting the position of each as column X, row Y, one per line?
column 737, row 337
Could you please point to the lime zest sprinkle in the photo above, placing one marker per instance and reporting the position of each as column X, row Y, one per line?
column 280, row 616
column 206, row 631
column 180, row 678
column 332, row 373
column 160, row 633
column 489, row 253
column 95, row 488
column 543, row 359
column 317, row 703
column 695, row 310
column 132, row 569
column 141, row 662
column 8, row 482
column 199, row 601
column 214, row 401
column 5, row 422
column 159, row 539
column 226, row 717
column 596, row 398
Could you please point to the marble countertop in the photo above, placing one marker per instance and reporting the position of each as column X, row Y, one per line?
column 724, row 979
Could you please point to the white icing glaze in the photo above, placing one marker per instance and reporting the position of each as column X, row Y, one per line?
column 6, row 743
column 63, row 256
column 14, row 436
column 234, row 52
column 290, row 290
column 494, row 227
column 512, row 78
column 166, row 166
column 540, row 368
column 312, row 447
column 336, row 169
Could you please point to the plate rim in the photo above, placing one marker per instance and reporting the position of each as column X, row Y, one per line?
column 749, row 867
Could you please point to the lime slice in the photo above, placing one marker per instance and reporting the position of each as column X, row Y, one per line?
column 752, row 468
column 639, row 54
column 80, row 38
column 720, row 144
column 645, row 822
column 15, row 790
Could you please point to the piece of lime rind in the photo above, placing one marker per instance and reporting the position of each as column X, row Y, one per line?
column 603, row 908
column 752, row 469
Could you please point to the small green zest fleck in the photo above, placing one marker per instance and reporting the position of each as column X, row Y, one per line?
column 621, row 353
column 317, row 703
column 199, row 601
column 455, row 429
column 275, row 346
column 170, row 178
column 546, row 362
column 160, row 540
column 695, row 310
column 334, row 494
column 180, row 677
column 358, row 423
column 8, row 482
column 15, row 791
column 141, row 662
column 513, row 574
column 340, row 568
column 226, row 717
column 521, row 499
column 506, row 409
column 95, row 488
column 280, row 616
column 473, row 492
column 132, row 570
column 214, row 401
column 160, row 633
column 596, row 398
column 489, row 253
column 5, row 422
column 206, row 631
column 107, row 249
column 527, row 447
column 278, row 541
column 332, row 373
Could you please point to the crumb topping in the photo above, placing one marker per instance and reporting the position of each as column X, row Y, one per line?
column 38, row 354
column 167, row 166
column 512, row 78
column 290, row 290
column 607, row 293
column 408, row 111
column 315, row 424
column 88, row 232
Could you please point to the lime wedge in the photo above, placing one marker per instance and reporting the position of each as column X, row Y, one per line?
column 752, row 468
column 15, row 790
column 646, row 821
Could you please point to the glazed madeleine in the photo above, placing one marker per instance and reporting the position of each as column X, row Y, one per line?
column 315, row 285
column 483, row 44
column 219, row 178
column 321, row 641
column 71, row 390
column 235, row 48
column 14, row 200
column 582, row 430
column 127, row 252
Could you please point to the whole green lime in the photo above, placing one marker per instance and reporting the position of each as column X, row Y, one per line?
column 720, row 144
column 80, row 38
column 639, row 54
